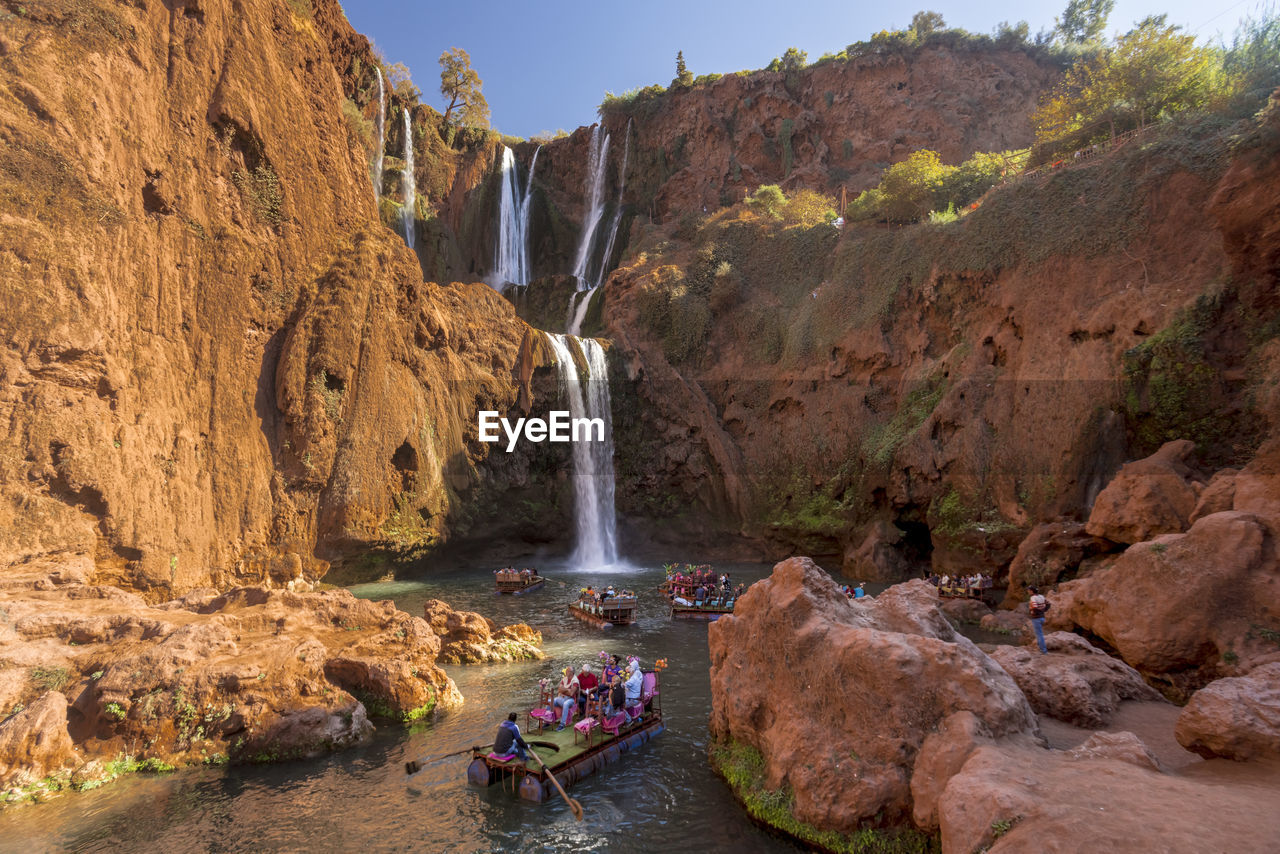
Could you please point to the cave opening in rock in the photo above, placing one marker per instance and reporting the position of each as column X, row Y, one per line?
column 915, row 546
column 405, row 460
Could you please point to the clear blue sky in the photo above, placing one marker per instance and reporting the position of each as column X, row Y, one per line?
column 547, row 65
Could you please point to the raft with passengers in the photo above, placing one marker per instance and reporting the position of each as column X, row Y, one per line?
column 698, row 592
column 604, row 608
column 516, row 581
column 596, row 720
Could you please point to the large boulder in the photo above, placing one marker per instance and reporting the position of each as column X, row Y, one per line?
column 1183, row 601
column 1105, row 795
column 1237, row 717
column 838, row 694
column 877, row 557
column 1048, row 552
column 467, row 637
column 35, row 744
column 1075, row 682
column 1147, row 497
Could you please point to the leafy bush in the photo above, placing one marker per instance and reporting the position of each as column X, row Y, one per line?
column 260, row 189
column 768, row 201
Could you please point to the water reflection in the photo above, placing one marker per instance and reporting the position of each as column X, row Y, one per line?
column 660, row 797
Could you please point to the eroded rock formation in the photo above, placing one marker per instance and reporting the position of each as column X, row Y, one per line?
column 248, row 675
column 838, row 695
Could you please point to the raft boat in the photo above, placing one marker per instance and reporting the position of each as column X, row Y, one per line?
column 571, row 754
column 700, row 612
column 611, row 611
column 516, row 582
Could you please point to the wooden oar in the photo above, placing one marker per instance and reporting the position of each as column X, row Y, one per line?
column 413, row 766
column 574, row 806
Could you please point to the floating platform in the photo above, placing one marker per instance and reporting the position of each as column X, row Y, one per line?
column 566, row 754
column 515, row 583
column 616, row 611
column 704, row 612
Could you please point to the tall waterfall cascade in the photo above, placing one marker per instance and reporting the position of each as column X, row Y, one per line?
column 382, row 135
column 597, row 160
column 407, row 182
column 511, row 256
column 595, row 522
column 579, row 302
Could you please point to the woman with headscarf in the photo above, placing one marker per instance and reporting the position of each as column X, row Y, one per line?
column 635, row 678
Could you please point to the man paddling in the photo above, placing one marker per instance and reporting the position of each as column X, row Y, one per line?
column 509, row 737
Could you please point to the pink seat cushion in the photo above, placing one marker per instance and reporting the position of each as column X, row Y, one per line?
column 544, row 715
column 498, row 758
column 585, row 725
column 613, row 723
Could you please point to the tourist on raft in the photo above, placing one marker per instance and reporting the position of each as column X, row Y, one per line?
column 616, row 699
column 509, row 741
column 1038, row 606
column 566, row 698
column 612, row 670
column 588, row 685
column 635, row 678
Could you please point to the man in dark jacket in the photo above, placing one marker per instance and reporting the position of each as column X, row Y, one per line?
column 508, row 739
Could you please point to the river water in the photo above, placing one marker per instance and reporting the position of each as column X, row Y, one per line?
column 661, row 797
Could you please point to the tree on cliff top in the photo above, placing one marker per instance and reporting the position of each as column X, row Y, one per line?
column 924, row 23
column 684, row 77
column 1153, row 71
column 793, row 60
column 461, row 85
column 1084, row 21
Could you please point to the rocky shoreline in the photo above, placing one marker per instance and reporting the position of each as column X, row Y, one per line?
column 94, row 682
column 837, row 720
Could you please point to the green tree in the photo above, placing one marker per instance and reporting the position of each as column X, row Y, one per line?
column 924, row 23
column 768, row 200
column 793, row 60
column 684, row 77
column 1084, row 21
column 401, row 84
column 1153, row 71
column 461, row 85
column 913, row 187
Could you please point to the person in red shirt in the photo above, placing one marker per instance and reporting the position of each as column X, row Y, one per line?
column 588, row 684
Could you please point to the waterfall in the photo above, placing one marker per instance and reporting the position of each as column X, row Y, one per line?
column 595, row 525
column 617, row 211
column 594, row 199
column 511, row 257
column 578, row 304
column 524, row 216
column 410, row 189
column 382, row 136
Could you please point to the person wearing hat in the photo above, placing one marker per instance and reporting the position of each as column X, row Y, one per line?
column 566, row 696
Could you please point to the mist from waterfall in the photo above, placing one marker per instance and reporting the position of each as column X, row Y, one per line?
column 382, row 135
column 511, row 256
column 595, row 521
column 407, row 182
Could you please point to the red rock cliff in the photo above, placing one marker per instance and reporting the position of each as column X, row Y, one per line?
column 215, row 365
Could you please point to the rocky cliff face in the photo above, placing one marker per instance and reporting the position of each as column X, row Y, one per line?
column 922, row 397
column 835, row 124
column 215, row 365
